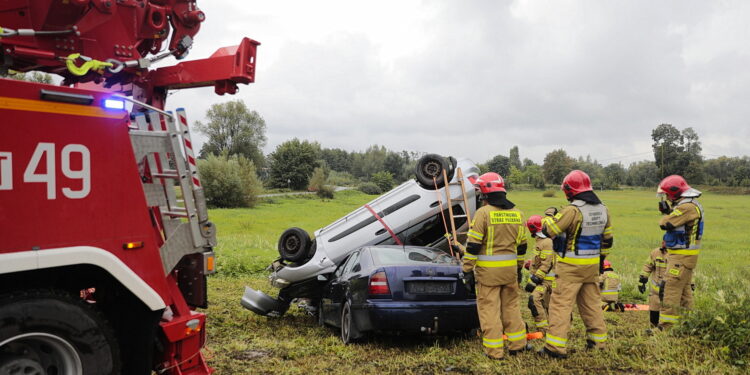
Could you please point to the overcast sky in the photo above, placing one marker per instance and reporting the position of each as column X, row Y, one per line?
column 474, row 78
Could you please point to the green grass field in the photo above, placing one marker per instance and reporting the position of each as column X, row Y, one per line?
column 240, row 342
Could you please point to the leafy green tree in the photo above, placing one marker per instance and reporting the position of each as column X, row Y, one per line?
column 383, row 179
column 292, row 163
column 398, row 164
column 691, row 156
column 319, row 183
column 318, row 179
column 370, row 188
column 534, row 176
column 231, row 127
column 557, row 164
column 728, row 171
column 592, row 168
column 499, row 164
column 668, row 148
column 229, row 181
column 337, row 159
column 515, row 176
column 528, row 162
column 515, row 158
column 483, row 168
column 369, row 162
column 613, row 176
column 678, row 152
column 643, row 173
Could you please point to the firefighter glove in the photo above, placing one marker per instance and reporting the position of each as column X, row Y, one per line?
column 642, row 288
column 469, row 281
column 456, row 249
column 529, row 287
column 664, row 208
column 692, row 287
column 536, row 279
column 642, row 280
column 552, row 211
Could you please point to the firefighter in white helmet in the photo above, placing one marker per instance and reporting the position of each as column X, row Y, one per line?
column 582, row 236
column 494, row 257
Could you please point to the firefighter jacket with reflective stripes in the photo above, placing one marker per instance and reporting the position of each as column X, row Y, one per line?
column 609, row 284
column 543, row 263
column 501, row 234
column 581, row 232
column 654, row 269
column 684, row 229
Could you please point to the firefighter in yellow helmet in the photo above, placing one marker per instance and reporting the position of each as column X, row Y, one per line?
column 651, row 277
column 683, row 226
column 542, row 274
column 609, row 283
column 582, row 236
column 494, row 256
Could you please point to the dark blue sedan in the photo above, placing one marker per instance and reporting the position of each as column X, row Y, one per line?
column 397, row 288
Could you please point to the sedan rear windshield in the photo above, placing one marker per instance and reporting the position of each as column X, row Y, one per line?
column 385, row 256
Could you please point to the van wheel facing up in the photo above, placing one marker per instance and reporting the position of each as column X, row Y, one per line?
column 431, row 166
column 294, row 244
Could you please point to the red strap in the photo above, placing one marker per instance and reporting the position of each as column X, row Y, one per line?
column 393, row 235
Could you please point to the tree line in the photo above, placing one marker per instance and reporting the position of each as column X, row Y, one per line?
column 234, row 131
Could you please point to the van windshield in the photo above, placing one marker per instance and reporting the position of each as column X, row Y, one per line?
column 385, row 256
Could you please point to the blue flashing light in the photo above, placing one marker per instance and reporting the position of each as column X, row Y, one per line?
column 114, row 104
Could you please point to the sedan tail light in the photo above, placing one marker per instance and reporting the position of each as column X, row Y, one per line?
column 378, row 284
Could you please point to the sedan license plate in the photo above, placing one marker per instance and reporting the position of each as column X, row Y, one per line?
column 430, row 287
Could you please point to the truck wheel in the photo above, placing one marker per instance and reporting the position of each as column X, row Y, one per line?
column 51, row 332
column 349, row 332
column 294, row 244
column 432, row 165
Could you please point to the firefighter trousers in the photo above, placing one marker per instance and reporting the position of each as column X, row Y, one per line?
column 499, row 311
column 677, row 295
column 565, row 295
column 539, row 304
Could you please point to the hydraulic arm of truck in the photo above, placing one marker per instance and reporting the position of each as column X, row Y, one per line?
column 114, row 43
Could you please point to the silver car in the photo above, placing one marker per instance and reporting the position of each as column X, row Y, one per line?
column 410, row 213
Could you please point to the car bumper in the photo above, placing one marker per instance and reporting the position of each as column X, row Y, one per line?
column 262, row 304
column 413, row 316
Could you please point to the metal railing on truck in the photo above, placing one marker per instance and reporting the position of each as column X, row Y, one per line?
column 162, row 143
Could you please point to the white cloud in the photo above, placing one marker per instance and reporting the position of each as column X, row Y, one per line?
column 475, row 78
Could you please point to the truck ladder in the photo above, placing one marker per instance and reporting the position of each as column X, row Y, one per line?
column 162, row 140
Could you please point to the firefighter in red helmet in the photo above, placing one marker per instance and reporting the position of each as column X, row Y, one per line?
column 610, row 285
column 582, row 236
column 494, row 256
column 683, row 226
column 542, row 270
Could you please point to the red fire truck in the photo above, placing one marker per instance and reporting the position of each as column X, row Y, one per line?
column 105, row 241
